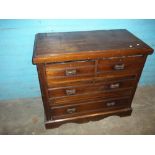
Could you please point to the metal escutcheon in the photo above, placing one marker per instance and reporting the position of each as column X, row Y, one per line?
column 115, row 85
column 110, row 103
column 70, row 72
column 70, row 91
column 119, row 66
column 71, row 110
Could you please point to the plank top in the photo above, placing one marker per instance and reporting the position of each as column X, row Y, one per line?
column 62, row 43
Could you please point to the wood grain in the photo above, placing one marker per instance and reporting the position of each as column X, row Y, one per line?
column 88, row 75
column 74, row 110
column 68, row 100
column 90, row 88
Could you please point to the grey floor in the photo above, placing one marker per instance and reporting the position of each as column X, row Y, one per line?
column 25, row 116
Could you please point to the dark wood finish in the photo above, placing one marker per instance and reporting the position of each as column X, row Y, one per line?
column 89, row 107
column 69, row 65
column 66, row 46
column 89, row 97
column 67, row 74
column 90, row 88
column 95, row 116
column 120, row 64
column 88, row 75
column 44, row 91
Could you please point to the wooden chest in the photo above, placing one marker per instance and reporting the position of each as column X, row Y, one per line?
column 88, row 75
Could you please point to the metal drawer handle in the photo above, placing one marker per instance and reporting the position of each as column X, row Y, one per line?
column 115, row 85
column 70, row 91
column 71, row 110
column 70, row 72
column 110, row 104
column 119, row 66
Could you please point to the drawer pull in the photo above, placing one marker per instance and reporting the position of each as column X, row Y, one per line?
column 70, row 91
column 119, row 66
column 71, row 110
column 115, row 85
column 70, row 72
column 110, row 104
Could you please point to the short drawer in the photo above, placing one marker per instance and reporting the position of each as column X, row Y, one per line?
column 91, row 88
column 104, row 105
column 70, row 100
column 124, row 64
column 70, row 71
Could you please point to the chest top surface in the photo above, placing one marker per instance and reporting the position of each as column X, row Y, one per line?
column 64, row 43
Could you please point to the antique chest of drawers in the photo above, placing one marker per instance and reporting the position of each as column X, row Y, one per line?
column 88, row 75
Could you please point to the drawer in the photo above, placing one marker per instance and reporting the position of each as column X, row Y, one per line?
column 68, row 100
column 120, row 64
column 104, row 105
column 70, row 71
column 91, row 88
column 89, row 80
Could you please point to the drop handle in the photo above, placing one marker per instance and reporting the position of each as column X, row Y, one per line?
column 114, row 85
column 110, row 104
column 119, row 66
column 70, row 92
column 70, row 72
column 71, row 110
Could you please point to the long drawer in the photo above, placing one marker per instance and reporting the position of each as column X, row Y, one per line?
column 91, row 88
column 90, row 81
column 69, row 100
column 101, row 105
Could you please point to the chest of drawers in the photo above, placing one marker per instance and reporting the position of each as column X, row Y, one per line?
column 88, row 75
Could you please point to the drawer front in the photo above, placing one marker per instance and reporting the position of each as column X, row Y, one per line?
column 85, row 89
column 120, row 64
column 63, row 74
column 69, row 71
column 89, row 81
column 69, row 100
column 104, row 105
